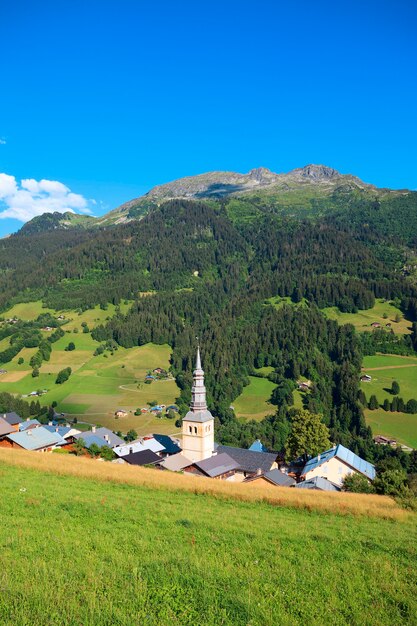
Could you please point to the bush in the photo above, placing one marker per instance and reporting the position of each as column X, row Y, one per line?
column 63, row 376
column 357, row 483
column 35, row 372
column 70, row 347
column 392, row 482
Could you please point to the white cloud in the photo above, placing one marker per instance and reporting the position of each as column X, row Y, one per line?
column 2, row 141
column 33, row 197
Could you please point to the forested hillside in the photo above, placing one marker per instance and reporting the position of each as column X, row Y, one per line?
column 210, row 267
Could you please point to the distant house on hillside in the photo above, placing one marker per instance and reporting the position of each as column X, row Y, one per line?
column 385, row 441
column 121, row 413
column 304, row 385
column 366, row 378
column 335, row 464
column 376, row 325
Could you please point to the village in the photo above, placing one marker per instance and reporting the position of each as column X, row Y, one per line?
column 195, row 453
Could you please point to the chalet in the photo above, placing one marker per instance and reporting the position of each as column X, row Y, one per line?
column 335, row 464
column 13, row 419
column 385, row 441
column 66, row 432
column 144, row 457
column 39, row 439
column 257, row 446
column 160, row 371
column 29, row 424
column 101, row 437
column 220, row 466
column 3, row 372
column 121, row 413
column 274, row 478
column 318, row 483
column 5, row 428
column 366, row 378
column 389, row 325
column 304, row 385
column 146, row 443
column 376, row 325
column 172, row 407
column 175, row 463
column 249, row 461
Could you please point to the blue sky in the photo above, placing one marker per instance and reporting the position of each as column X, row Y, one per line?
column 111, row 98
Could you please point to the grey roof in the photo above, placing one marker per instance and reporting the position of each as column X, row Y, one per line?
column 345, row 455
column 277, row 477
column 176, row 462
column 113, row 441
column 29, row 424
column 5, row 427
column 319, row 483
column 217, row 465
column 248, row 460
column 198, row 416
column 12, row 418
column 36, row 438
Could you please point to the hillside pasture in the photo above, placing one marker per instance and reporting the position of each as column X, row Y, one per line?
column 384, row 369
column 253, row 402
column 141, row 546
column 362, row 320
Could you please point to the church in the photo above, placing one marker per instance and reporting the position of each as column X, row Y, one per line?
column 198, row 424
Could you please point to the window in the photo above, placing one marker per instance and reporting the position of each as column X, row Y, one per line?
column 190, row 429
column 195, row 429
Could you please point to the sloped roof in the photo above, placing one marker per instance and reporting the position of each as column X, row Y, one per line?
column 64, row 431
column 5, row 427
column 345, row 455
column 90, row 438
column 12, row 418
column 217, row 465
column 258, row 446
column 145, row 457
column 36, row 438
column 176, row 462
column 170, row 446
column 114, row 440
column 138, row 446
column 28, row 424
column 153, row 444
column 319, row 483
column 278, row 478
column 248, row 460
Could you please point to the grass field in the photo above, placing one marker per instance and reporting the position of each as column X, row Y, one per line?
column 84, row 549
column 384, row 369
column 362, row 320
column 253, row 402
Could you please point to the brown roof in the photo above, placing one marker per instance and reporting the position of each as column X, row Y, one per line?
column 5, row 427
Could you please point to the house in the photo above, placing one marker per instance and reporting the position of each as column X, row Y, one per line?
column 156, row 409
column 13, row 419
column 3, row 372
column 39, row 439
column 101, row 437
column 5, row 428
column 121, row 413
column 29, row 424
column 376, row 325
column 257, row 446
column 66, row 432
column 389, row 325
column 335, row 464
column 220, row 466
column 146, row 443
column 318, row 483
column 172, row 407
column 149, row 377
column 249, row 461
column 144, row 457
column 170, row 446
column 385, row 441
column 366, row 378
column 175, row 463
column 275, row 477
column 304, row 385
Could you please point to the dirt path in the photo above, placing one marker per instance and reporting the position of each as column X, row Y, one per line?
column 388, row 367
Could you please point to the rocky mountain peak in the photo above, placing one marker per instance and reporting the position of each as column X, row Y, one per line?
column 317, row 172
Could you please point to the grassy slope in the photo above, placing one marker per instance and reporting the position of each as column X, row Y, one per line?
column 106, row 553
column 401, row 426
column 253, row 401
column 362, row 320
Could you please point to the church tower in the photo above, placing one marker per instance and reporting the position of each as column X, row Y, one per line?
column 198, row 424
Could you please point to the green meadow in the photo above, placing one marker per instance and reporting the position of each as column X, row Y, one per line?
column 384, row 369
column 362, row 320
column 77, row 550
column 253, row 402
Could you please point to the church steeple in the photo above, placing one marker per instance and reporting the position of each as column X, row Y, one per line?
column 198, row 424
column 198, row 390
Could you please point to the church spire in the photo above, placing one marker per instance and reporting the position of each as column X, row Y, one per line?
column 198, row 390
